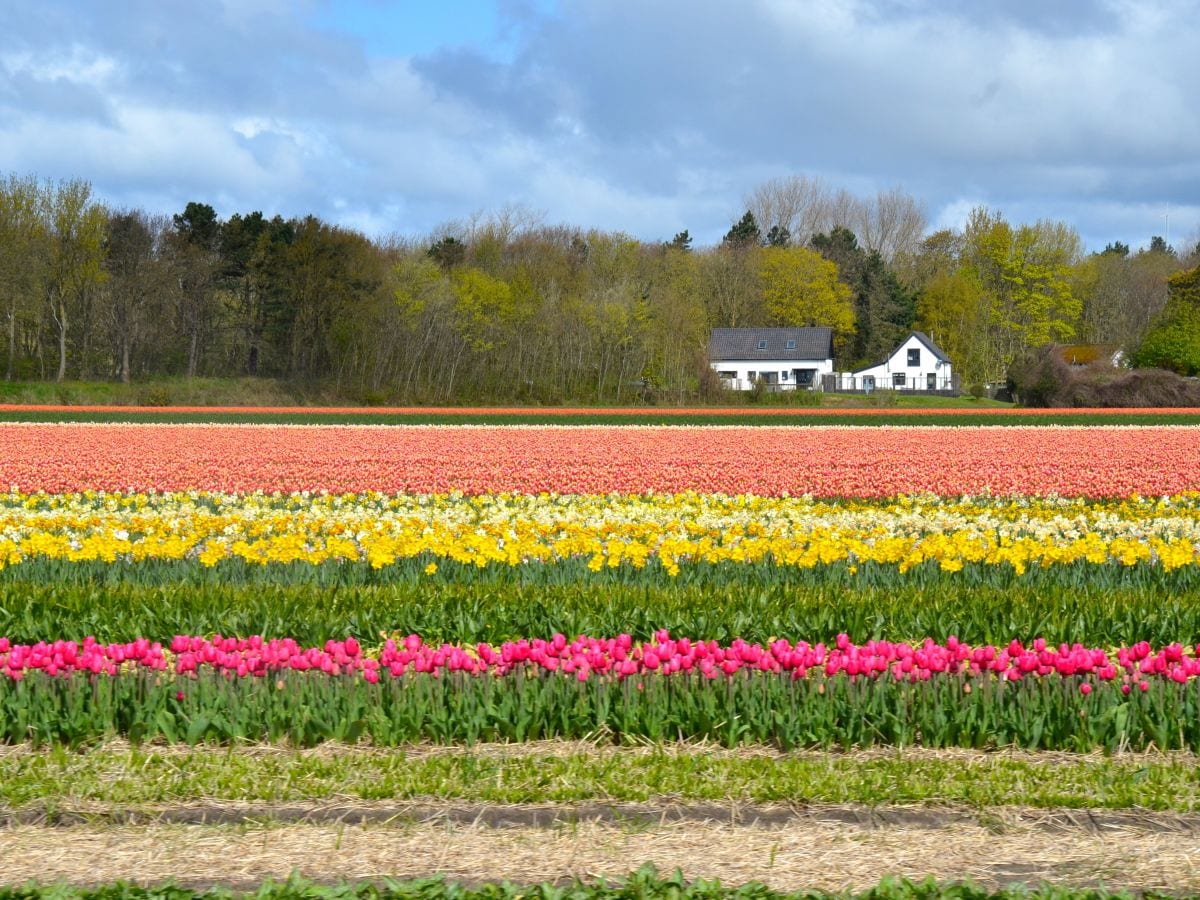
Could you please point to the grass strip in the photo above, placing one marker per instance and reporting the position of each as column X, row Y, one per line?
column 916, row 606
column 599, row 417
column 117, row 775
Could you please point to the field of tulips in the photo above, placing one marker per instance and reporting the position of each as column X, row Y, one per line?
column 766, row 461
column 769, row 588
column 482, row 534
column 787, row 694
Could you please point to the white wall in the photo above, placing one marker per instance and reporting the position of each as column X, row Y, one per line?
column 915, row 377
column 781, row 368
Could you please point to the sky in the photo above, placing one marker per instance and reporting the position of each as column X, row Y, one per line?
column 641, row 116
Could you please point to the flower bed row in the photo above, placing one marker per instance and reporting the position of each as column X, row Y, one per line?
column 620, row 657
column 606, row 532
column 1070, row 699
column 838, row 461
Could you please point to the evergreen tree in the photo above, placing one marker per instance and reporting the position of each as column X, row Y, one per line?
column 743, row 233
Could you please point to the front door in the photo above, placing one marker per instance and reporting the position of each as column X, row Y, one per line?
column 803, row 377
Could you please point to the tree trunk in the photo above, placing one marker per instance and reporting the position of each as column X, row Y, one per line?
column 62, row 341
column 12, row 342
column 192, row 353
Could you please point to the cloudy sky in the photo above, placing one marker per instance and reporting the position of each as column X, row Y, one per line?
column 644, row 116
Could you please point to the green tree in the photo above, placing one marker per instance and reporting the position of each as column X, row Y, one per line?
column 192, row 247
column 198, row 225
column 801, row 287
column 743, row 233
column 1159, row 245
column 254, row 260
column 23, row 258
column 448, row 252
column 1026, row 275
column 779, row 236
column 883, row 307
column 1174, row 342
column 952, row 308
column 682, row 241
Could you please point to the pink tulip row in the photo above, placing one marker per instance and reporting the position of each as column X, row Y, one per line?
column 861, row 461
column 618, row 657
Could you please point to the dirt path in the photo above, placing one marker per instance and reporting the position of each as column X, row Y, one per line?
column 804, row 851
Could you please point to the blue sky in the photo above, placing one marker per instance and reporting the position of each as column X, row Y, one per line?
column 643, row 117
column 410, row 28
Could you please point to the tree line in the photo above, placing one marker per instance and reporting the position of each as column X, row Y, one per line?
column 504, row 307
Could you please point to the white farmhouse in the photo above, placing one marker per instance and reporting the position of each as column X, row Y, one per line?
column 918, row 364
column 783, row 358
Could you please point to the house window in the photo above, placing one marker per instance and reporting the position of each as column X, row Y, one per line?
column 791, row 345
column 804, row 377
column 751, row 376
column 931, row 381
column 898, row 380
column 914, row 356
column 762, row 345
column 783, row 376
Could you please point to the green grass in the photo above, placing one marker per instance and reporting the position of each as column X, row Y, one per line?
column 1030, row 606
column 160, row 392
column 599, row 417
column 644, row 884
column 130, row 778
column 247, row 391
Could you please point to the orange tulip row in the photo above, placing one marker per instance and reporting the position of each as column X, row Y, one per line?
column 822, row 461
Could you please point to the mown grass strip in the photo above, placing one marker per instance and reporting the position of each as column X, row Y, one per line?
column 599, row 417
column 570, row 773
column 86, row 601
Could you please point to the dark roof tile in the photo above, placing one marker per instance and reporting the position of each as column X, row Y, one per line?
column 743, row 343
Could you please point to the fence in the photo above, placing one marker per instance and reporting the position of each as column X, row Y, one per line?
column 845, row 383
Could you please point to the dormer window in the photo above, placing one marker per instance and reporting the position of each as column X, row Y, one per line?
column 791, row 345
column 762, row 345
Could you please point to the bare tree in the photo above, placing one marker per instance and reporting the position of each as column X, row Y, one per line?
column 76, row 226
column 800, row 204
column 891, row 224
column 139, row 282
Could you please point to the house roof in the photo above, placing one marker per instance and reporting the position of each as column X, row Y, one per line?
column 1086, row 354
column 743, row 343
column 933, row 348
column 928, row 343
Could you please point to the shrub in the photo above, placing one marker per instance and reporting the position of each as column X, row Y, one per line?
column 155, row 396
column 1043, row 379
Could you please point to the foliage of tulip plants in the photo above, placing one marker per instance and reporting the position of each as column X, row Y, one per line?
column 644, row 884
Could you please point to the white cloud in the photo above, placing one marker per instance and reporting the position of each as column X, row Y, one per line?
column 646, row 118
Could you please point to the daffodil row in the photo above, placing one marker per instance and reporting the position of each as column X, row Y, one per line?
column 608, row 531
